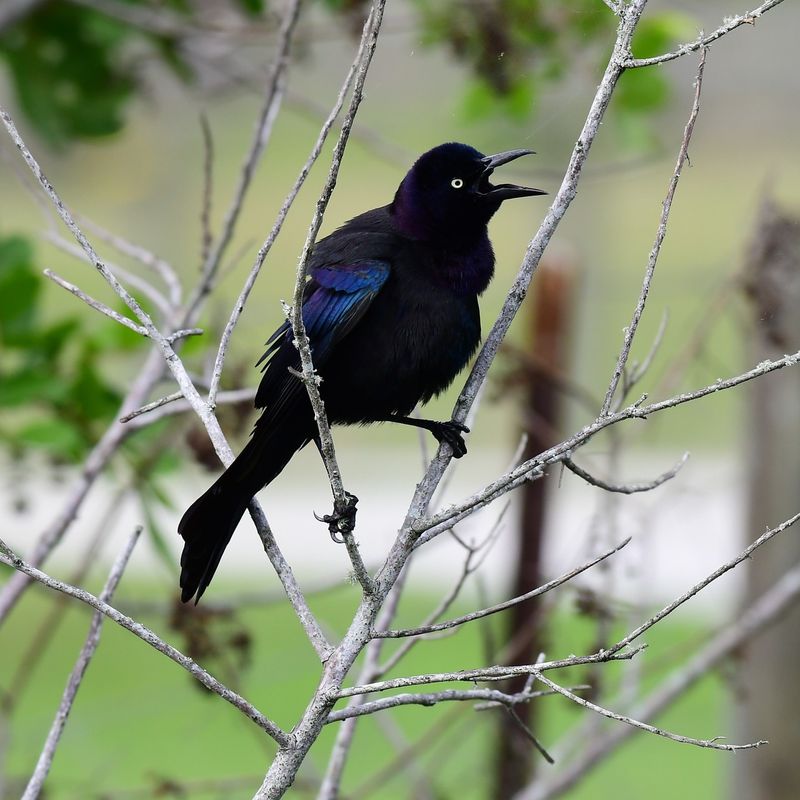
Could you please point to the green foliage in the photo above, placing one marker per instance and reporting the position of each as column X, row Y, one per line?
column 513, row 47
column 73, row 67
column 68, row 72
column 51, row 375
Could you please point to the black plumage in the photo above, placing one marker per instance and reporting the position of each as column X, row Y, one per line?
column 391, row 311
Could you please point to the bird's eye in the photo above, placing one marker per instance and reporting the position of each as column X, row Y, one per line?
column 456, row 183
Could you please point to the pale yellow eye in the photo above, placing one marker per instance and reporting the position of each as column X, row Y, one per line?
column 456, row 183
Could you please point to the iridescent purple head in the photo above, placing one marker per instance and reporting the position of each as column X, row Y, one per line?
column 447, row 192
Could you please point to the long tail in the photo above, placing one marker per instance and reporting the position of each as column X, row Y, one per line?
column 209, row 523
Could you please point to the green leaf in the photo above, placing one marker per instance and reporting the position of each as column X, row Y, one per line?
column 67, row 69
column 96, row 400
column 20, row 288
column 51, row 341
column 30, row 385
column 58, row 437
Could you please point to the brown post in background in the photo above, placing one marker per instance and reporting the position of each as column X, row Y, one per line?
column 543, row 364
column 768, row 681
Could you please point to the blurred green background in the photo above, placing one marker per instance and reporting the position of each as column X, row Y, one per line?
column 112, row 109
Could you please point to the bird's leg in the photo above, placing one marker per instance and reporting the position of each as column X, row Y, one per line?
column 343, row 518
column 450, row 431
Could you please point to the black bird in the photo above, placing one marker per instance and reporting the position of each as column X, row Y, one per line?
column 391, row 310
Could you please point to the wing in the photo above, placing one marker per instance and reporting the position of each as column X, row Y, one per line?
column 334, row 301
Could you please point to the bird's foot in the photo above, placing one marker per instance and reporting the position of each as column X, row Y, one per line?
column 450, row 432
column 342, row 520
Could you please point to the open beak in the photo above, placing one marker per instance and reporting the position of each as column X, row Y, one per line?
column 503, row 191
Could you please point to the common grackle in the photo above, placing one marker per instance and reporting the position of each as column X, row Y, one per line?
column 391, row 311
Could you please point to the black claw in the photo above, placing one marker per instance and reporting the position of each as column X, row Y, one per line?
column 450, row 432
column 342, row 520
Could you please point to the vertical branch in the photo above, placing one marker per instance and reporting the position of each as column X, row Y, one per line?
column 369, row 41
column 276, row 87
column 683, row 157
column 276, row 229
column 34, row 788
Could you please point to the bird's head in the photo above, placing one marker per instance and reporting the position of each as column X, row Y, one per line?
column 447, row 192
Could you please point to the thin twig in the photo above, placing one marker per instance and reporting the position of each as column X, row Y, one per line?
column 176, row 404
column 638, row 371
column 34, row 787
column 367, row 47
column 485, row 612
column 494, row 696
column 713, row 744
column 9, row 558
column 134, row 281
column 726, row 567
column 704, row 41
column 206, row 236
column 468, row 568
column 445, row 519
column 495, row 673
column 625, row 488
column 529, row 735
column 764, row 612
column 276, row 87
column 683, row 155
column 96, row 304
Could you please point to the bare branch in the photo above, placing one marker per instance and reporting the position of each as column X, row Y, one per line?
column 683, row 155
column 471, row 563
column 8, row 558
column 34, row 787
column 638, row 371
column 276, row 87
column 704, row 41
column 713, row 744
column 494, row 696
column 625, row 488
column 726, row 567
column 135, row 281
column 495, row 673
column 369, row 41
column 767, row 610
column 96, row 304
column 207, row 237
column 567, row 576
column 445, row 519
column 177, row 405
column 528, row 733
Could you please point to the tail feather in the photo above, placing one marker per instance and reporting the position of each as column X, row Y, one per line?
column 209, row 523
